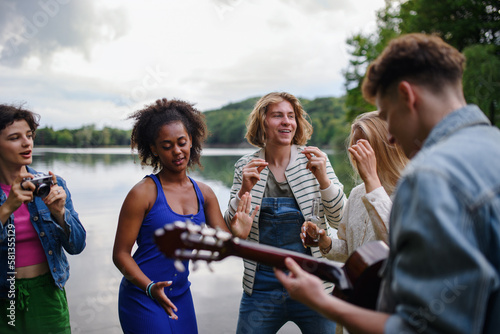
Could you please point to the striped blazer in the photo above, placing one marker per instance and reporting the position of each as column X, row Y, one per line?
column 304, row 186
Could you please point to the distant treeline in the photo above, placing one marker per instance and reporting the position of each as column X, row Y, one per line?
column 86, row 136
column 327, row 115
column 226, row 126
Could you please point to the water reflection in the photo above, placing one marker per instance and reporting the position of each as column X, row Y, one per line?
column 218, row 164
column 99, row 180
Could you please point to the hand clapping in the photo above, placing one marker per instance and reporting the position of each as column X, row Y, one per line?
column 241, row 224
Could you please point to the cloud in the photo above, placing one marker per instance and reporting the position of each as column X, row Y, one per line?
column 97, row 61
column 320, row 5
column 64, row 100
column 255, row 48
column 40, row 29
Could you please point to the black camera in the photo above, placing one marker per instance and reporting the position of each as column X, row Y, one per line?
column 42, row 184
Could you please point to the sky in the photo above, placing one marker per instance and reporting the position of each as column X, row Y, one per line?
column 82, row 62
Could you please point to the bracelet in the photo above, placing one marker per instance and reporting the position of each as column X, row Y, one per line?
column 148, row 289
column 325, row 251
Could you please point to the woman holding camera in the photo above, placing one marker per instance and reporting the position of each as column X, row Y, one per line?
column 37, row 221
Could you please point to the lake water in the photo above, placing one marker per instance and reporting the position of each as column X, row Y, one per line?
column 99, row 180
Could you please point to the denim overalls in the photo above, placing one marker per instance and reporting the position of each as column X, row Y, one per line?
column 270, row 307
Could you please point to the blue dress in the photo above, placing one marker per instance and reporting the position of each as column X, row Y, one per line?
column 140, row 314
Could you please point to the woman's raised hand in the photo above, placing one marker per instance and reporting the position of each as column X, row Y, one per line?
column 366, row 163
column 241, row 224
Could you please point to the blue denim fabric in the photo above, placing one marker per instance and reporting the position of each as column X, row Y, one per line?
column 443, row 271
column 52, row 236
column 270, row 307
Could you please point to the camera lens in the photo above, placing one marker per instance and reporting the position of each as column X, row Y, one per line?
column 42, row 190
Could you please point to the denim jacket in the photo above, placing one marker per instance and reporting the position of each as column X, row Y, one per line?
column 442, row 275
column 52, row 236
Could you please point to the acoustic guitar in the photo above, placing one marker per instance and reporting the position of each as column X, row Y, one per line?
column 357, row 281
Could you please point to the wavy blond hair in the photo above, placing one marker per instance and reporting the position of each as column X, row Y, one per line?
column 256, row 132
column 391, row 159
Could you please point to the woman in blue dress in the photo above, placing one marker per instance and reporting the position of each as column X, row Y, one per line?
column 154, row 296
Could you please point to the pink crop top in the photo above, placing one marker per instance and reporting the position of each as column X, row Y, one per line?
column 29, row 250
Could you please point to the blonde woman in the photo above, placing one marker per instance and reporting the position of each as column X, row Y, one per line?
column 379, row 164
column 366, row 216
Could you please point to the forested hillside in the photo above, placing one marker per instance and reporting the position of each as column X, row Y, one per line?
column 86, row 136
column 226, row 126
column 327, row 115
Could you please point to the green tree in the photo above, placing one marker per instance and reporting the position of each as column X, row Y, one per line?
column 119, row 137
column 462, row 23
column 327, row 117
column 482, row 80
column 83, row 136
column 105, row 137
column 364, row 49
column 226, row 126
column 86, row 136
column 64, row 138
column 45, row 136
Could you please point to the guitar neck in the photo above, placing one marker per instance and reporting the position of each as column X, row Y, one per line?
column 272, row 256
column 356, row 281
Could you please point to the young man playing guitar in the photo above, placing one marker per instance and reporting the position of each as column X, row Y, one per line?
column 443, row 270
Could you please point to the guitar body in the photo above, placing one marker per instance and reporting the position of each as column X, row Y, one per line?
column 362, row 268
column 357, row 281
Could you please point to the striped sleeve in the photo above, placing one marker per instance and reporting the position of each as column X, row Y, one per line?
column 235, row 188
column 333, row 198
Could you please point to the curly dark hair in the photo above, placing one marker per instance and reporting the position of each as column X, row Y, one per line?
column 149, row 120
column 11, row 113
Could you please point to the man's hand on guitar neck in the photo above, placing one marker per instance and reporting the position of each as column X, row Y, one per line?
column 241, row 224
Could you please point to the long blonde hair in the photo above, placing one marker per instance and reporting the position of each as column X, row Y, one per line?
column 391, row 159
column 256, row 133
